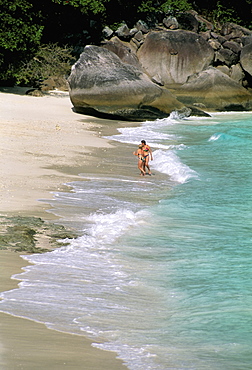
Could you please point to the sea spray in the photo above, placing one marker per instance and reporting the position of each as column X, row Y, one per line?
column 169, row 163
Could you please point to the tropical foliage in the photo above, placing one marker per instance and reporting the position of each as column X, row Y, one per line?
column 28, row 24
column 49, row 60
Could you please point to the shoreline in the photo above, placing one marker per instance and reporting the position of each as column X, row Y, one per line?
column 41, row 140
column 28, row 344
column 43, row 145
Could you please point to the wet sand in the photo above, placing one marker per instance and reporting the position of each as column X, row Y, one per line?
column 41, row 141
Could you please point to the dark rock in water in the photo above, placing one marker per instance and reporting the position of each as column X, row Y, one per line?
column 22, row 234
column 181, row 113
column 246, row 58
column 189, row 111
column 198, row 112
column 101, row 84
column 215, row 90
column 174, row 55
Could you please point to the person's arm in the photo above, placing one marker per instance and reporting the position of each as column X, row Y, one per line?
column 151, row 154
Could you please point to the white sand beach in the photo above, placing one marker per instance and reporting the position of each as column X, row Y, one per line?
column 39, row 138
column 37, row 135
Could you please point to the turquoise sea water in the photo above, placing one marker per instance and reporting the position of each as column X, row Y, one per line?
column 163, row 272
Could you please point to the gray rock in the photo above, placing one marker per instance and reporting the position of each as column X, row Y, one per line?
column 246, row 40
column 135, row 44
column 174, row 55
column 214, row 35
column 138, row 36
column 34, row 92
column 122, row 51
column 142, row 26
column 107, row 32
column 101, row 84
column 227, row 56
column 204, row 23
column 123, row 32
column 237, row 74
column 170, row 22
column 206, row 35
column 215, row 90
column 133, row 31
column 224, row 69
column 233, row 46
column 221, row 39
column 231, row 30
column 187, row 21
column 246, row 58
column 214, row 44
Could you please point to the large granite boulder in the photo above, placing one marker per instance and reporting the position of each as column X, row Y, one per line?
column 246, row 58
column 122, row 51
column 102, row 85
column 172, row 56
column 213, row 90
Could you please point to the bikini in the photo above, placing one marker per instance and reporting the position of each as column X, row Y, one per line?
column 146, row 150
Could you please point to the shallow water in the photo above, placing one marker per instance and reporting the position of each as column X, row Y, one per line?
column 162, row 273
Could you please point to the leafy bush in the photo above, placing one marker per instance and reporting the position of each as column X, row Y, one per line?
column 50, row 60
column 221, row 15
column 170, row 7
column 20, row 35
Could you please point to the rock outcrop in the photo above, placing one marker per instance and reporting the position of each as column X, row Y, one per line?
column 145, row 73
column 102, row 85
column 246, row 58
column 172, row 56
column 123, row 51
column 213, row 90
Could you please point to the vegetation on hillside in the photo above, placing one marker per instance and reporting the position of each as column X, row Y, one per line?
column 28, row 25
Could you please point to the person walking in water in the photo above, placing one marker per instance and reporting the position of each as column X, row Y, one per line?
column 147, row 155
column 140, row 154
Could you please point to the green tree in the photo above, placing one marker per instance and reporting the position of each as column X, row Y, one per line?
column 86, row 6
column 166, row 7
column 50, row 60
column 222, row 11
column 20, row 34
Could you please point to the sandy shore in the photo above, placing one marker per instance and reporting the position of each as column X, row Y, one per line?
column 41, row 141
column 38, row 138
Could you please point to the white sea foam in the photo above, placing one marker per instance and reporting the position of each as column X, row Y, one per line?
column 149, row 131
column 135, row 358
column 215, row 137
column 169, row 163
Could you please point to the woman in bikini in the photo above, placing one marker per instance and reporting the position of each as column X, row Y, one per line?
column 140, row 154
column 147, row 155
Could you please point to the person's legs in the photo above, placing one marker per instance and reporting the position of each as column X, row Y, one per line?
column 147, row 164
column 141, row 166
